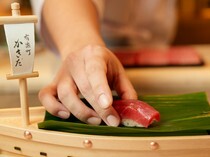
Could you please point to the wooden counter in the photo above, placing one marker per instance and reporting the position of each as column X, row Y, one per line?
column 173, row 80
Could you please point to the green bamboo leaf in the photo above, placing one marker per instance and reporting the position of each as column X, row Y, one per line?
column 187, row 114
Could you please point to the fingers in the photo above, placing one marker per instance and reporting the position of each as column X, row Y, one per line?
column 48, row 99
column 124, row 87
column 68, row 96
column 91, row 71
column 109, row 115
column 121, row 83
column 66, row 103
column 91, row 80
column 95, row 69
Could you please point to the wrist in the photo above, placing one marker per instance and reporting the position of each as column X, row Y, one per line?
column 69, row 48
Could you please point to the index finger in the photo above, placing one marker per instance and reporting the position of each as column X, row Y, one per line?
column 96, row 70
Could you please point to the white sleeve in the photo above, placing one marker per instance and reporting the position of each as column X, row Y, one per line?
column 37, row 6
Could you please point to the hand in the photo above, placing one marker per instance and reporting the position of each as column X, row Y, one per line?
column 92, row 71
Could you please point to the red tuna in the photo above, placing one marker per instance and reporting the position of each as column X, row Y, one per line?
column 135, row 113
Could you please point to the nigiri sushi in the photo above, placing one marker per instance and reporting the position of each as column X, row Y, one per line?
column 135, row 113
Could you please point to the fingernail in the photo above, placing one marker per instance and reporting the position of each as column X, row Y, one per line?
column 103, row 100
column 94, row 121
column 112, row 120
column 63, row 114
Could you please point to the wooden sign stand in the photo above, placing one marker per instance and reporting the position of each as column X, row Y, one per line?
column 22, row 78
column 23, row 95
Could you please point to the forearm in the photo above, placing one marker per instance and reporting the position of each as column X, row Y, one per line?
column 72, row 24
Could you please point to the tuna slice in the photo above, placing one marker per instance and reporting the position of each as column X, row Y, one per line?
column 135, row 113
column 173, row 56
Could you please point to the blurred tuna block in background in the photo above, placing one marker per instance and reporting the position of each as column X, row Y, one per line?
column 173, row 56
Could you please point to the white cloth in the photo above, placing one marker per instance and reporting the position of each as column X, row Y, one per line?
column 143, row 22
column 37, row 10
column 149, row 23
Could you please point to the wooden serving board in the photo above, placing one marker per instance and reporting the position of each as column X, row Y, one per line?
column 16, row 140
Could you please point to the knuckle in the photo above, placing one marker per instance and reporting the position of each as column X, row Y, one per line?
column 41, row 94
column 44, row 92
column 82, row 114
column 84, row 88
column 54, row 111
column 92, row 68
column 95, row 66
column 63, row 91
column 103, row 112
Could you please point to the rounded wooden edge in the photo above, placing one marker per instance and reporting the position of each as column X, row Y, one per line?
column 11, row 77
column 18, row 19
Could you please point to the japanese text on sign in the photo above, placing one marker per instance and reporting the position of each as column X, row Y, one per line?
column 17, row 46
